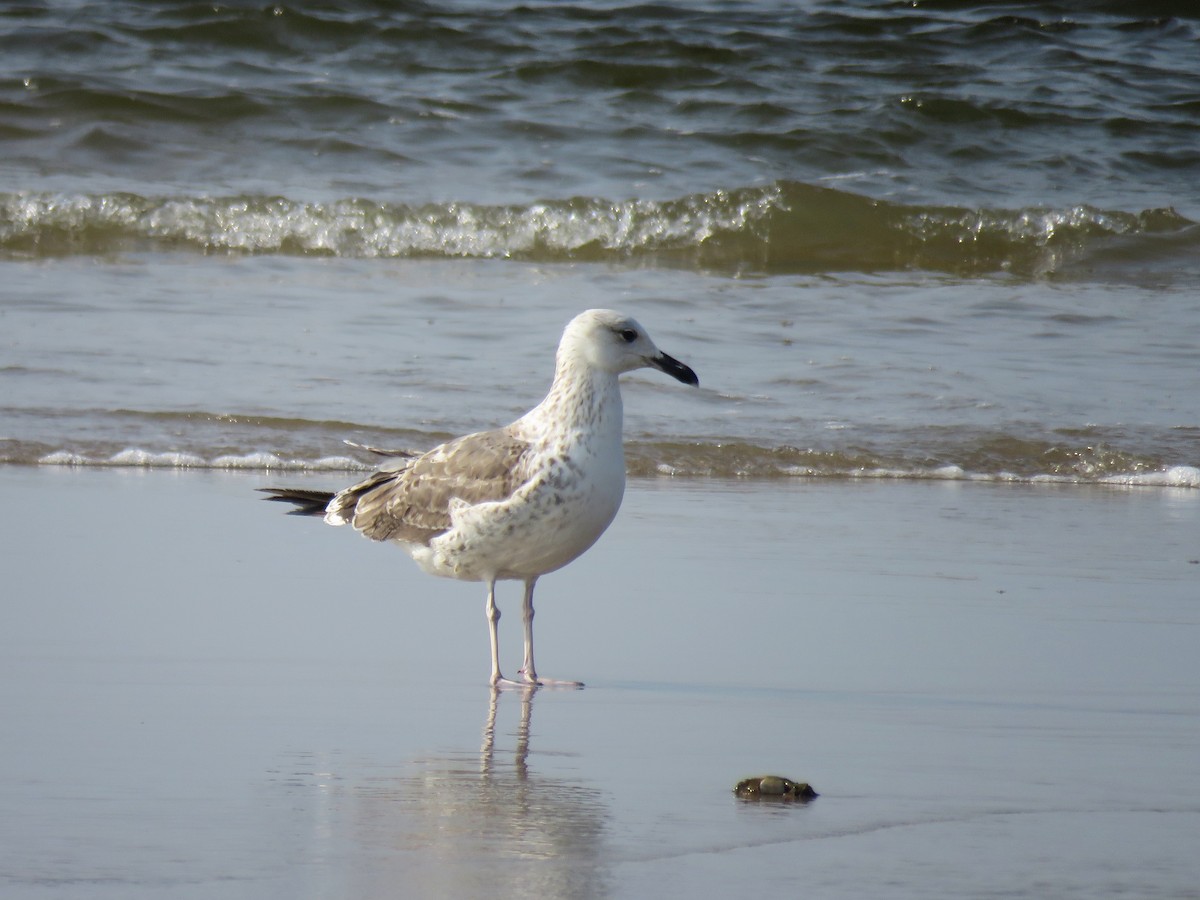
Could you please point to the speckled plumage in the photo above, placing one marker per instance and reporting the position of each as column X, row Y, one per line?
column 519, row 501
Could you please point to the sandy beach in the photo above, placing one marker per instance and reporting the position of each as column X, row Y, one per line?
column 995, row 689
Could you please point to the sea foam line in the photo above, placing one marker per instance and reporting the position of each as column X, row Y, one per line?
column 261, row 461
column 1180, row 476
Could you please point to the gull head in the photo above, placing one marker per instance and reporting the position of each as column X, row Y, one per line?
column 612, row 342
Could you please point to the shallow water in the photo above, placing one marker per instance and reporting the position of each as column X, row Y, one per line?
column 273, row 362
column 993, row 688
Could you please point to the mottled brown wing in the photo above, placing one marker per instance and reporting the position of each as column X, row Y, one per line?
column 409, row 500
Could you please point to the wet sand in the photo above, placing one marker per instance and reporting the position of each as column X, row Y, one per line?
column 994, row 688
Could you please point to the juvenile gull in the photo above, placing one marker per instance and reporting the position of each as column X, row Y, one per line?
column 519, row 501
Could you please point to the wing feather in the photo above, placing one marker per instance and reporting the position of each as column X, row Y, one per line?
column 409, row 499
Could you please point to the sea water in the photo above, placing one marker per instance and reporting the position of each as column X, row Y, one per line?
column 920, row 240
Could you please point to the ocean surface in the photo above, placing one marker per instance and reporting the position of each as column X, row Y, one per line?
column 933, row 240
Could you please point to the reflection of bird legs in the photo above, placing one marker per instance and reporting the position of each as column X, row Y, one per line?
column 521, row 757
column 489, row 732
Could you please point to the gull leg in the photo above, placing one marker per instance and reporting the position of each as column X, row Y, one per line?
column 493, row 617
column 529, row 670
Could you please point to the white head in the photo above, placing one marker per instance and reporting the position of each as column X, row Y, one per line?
column 612, row 342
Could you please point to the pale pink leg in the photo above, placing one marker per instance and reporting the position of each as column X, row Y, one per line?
column 493, row 617
column 529, row 669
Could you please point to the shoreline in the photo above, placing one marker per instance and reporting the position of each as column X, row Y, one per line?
column 269, row 464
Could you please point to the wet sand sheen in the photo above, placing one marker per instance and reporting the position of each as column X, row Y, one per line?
column 993, row 688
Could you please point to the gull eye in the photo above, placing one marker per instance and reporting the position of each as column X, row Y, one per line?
column 628, row 335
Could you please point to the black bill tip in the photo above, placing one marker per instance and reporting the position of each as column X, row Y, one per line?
column 675, row 369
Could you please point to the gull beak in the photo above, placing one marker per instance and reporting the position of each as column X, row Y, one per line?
column 675, row 369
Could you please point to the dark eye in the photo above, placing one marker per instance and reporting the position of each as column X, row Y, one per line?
column 628, row 335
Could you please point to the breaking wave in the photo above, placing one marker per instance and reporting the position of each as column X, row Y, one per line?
column 778, row 228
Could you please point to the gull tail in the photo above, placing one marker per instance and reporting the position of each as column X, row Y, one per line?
column 307, row 502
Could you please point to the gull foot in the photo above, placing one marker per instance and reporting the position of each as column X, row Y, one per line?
column 505, row 684
column 548, row 682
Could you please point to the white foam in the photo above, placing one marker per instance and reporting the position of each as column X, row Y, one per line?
column 1175, row 476
column 135, row 457
column 264, row 461
column 147, row 459
column 65, row 458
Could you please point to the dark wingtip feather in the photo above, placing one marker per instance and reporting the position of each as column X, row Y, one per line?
column 307, row 502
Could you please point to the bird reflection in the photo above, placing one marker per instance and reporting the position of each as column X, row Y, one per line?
column 521, row 755
column 458, row 828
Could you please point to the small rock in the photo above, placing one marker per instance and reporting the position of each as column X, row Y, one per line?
column 774, row 787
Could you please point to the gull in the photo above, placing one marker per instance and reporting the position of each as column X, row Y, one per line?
column 516, row 502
